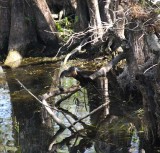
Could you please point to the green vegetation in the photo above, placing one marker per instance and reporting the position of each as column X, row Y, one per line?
column 65, row 28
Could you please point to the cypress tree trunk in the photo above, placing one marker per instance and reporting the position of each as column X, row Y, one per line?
column 4, row 26
column 30, row 25
column 95, row 21
column 82, row 15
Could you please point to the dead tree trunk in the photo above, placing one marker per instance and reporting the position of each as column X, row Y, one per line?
column 22, row 34
column 138, row 60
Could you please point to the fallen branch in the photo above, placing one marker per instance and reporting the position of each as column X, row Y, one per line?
column 47, row 107
column 77, row 49
column 59, row 92
column 102, row 71
column 74, row 117
column 55, row 118
column 66, row 97
column 91, row 113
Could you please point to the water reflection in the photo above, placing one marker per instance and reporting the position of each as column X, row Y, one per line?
column 135, row 142
column 6, row 124
column 33, row 137
column 66, row 141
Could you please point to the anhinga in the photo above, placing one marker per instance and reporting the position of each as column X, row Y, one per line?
column 76, row 73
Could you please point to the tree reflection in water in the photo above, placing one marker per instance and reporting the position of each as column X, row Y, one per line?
column 103, row 134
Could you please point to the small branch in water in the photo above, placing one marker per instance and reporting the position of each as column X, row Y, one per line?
column 47, row 107
column 55, row 118
column 74, row 117
column 34, row 95
column 59, row 92
column 91, row 113
column 66, row 97
column 69, row 120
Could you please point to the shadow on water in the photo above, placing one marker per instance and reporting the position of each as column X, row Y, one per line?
column 22, row 131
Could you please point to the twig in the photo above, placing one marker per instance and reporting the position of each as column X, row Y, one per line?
column 150, row 68
column 66, row 97
column 74, row 117
column 58, row 92
column 77, row 49
column 91, row 113
column 30, row 92
column 69, row 121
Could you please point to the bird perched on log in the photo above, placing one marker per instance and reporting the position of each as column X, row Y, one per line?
column 78, row 74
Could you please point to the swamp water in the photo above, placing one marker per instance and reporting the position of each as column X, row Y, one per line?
column 21, row 128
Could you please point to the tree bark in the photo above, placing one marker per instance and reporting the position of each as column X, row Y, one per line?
column 31, row 25
column 82, row 16
column 44, row 23
column 22, row 33
column 95, row 21
column 4, row 25
column 104, row 11
column 144, row 82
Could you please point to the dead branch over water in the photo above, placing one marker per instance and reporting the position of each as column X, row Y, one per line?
column 51, row 110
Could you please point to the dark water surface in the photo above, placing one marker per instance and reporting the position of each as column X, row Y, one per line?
column 21, row 128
